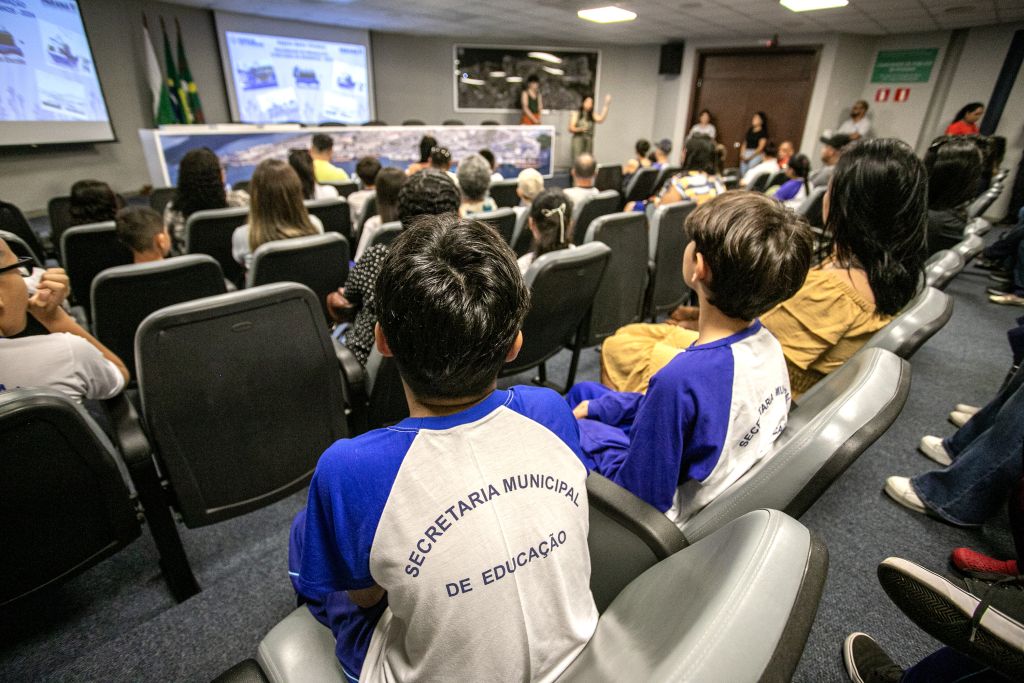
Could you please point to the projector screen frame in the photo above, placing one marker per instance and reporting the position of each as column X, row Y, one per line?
column 73, row 144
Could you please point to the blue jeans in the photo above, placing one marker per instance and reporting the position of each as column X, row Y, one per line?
column 986, row 454
column 1009, row 250
column 749, row 164
column 949, row 666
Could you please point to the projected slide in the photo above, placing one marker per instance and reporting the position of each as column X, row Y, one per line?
column 279, row 79
column 46, row 68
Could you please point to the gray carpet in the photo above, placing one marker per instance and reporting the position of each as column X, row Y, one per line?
column 117, row 622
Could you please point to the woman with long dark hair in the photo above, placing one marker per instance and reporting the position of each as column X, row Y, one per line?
column 550, row 224
column 796, row 189
column 966, row 120
column 954, row 165
column 302, row 163
column 582, row 122
column 92, row 201
column 753, row 142
column 200, row 187
column 427, row 143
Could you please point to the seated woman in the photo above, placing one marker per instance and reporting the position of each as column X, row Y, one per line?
column 302, row 163
column 427, row 143
column 474, row 176
column 793, row 192
column 875, row 219
column 200, row 187
column 954, row 166
column 643, row 146
column 549, row 224
column 92, row 201
column 387, row 184
column 276, row 212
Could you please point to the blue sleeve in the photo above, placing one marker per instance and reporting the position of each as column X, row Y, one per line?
column 788, row 190
column 547, row 408
column 616, row 408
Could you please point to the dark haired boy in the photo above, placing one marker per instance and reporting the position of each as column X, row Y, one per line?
column 143, row 231
column 367, row 169
column 452, row 546
column 714, row 411
column 321, row 148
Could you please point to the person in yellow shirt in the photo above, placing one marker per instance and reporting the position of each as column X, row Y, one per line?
column 323, row 169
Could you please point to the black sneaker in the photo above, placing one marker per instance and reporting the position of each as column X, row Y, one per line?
column 982, row 620
column 1000, row 289
column 987, row 264
column 1001, row 276
column 866, row 661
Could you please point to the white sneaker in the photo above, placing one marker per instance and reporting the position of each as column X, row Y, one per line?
column 931, row 447
column 900, row 490
column 965, row 408
column 958, row 418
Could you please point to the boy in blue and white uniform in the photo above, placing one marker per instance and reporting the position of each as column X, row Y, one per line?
column 452, row 546
column 714, row 411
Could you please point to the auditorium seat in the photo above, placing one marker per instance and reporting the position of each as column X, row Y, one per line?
column 596, row 205
column 977, row 226
column 609, row 177
column 369, row 210
column 334, row 214
column 664, row 175
column 810, row 208
column 562, row 288
column 88, row 250
column 760, row 182
column 242, row 185
column 123, row 296
column 209, row 232
column 941, row 267
column 59, row 211
column 453, row 122
column 160, row 197
column 776, row 180
column 413, row 122
column 522, row 237
column 918, row 322
column 969, row 247
column 503, row 192
column 668, row 240
column 21, row 248
column 319, row 262
column 828, row 429
column 344, row 188
column 67, row 504
column 980, row 205
column 12, row 220
column 503, row 220
column 386, row 234
column 640, row 185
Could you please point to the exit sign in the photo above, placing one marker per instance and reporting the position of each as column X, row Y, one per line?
column 904, row 66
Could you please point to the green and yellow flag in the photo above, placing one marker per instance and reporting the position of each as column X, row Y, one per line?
column 186, row 86
column 177, row 101
column 163, row 111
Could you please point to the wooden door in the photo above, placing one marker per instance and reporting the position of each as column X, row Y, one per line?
column 733, row 84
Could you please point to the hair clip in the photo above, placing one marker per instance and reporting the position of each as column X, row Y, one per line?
column 547, row 213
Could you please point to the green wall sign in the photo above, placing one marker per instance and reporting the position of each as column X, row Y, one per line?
column 904, row 66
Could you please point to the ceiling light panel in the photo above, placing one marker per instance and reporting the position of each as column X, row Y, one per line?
column 606, row 15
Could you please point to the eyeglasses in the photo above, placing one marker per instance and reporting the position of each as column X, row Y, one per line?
column 22, row 265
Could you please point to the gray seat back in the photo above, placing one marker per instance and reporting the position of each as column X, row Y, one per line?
column 811, row 207
column 58, row 210
column 209, row 232
column 925, row 315
column 664, row 175
column 609, row 177
column 21, row 248
column 503, row 220
column 596, row 205
column 522, row 238
column 668, row 241
column 619, row 300
column 334, row 214
column 640, row 185
column 160, row 197
column 834, row 423
column 13, row 221
column 970, row 246
column 942, row 267
column 241, row 394
column 503, row 192
column 318, row 261
column 386, row 235
column 88, row 250
column 369, row 210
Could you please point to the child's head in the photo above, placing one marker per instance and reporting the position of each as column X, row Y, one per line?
column 92, row 201
column 799, row 167
column 387, row 184
column 746, row 254
column 427, row 193
column 450, row 305
column 488, row 155
column 13, row 293
column 142, row 230
column 441, row 158
column 367, row 169
column 549, row 221
column 427, row 143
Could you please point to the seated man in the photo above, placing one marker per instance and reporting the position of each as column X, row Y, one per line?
column 142, row 230
column 412, row 534
column 584, row 172
column 367, row 169
column 323, row 169
column 770, row 165
column 716, row 408
column 67, row 359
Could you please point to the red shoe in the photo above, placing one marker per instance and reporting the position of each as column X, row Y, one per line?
column 973, row 563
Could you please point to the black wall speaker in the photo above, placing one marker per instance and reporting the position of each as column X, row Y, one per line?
column 671, row 62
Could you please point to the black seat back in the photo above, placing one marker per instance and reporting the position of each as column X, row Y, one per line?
column 503, row 220
column 386, row 235
column 609, row 177
column 386, row 397
column 209, row 232
column 160, row 197
column 641, row 185
column 594, row 206
column 760, row 182
column 562, row 289
column 369, row 210
column 123, row 296
column 503, row 192
column 59, row 211
column 334, row 213
column 664, row 174
column 620, row 297
column 64, row 504
column 776, row 180
column 668, row 240
column 88, row 250
column 344, row 188
column 242, row 185
column 811, row 207
column 12, row 220
column 318, row 261
column 241, row 393
column 20, row 248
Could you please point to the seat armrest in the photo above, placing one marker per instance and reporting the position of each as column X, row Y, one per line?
column 129, row 435
column 659, row 534
column 246, row 671
column 354, row 383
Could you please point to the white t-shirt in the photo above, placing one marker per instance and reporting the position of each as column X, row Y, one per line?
column 356, row 201
column 324, row 191
column 60, row 361
column 240, row 241
column 863, row 127
column 701, row 129
column 770, row 166
column 577, row 195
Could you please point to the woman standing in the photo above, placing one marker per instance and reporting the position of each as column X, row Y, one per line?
column 754, row 142
column 581, row 125
column 531, row 103
column 966, row 120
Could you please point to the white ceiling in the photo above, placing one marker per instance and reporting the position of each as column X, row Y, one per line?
column 658, row 21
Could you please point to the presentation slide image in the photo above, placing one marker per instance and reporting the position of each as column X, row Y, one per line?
column 65, row 98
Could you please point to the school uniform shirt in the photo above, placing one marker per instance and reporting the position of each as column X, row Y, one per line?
column 708, row 417
column 61, row 361
column 696, row 186
column 476, row 526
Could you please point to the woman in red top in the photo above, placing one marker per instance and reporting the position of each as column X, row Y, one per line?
column 966, row 121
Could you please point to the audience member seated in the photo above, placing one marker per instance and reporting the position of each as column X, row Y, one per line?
column 387, row 184
column 752, row 150
column 321, row 150
column 785, row 152
column 200, row 188
column 302, row 164
column 550, row 224
column 92, row 201
column 367, row 169
column 769, row 165
column 639, row 161
column 954, row 166
column 698, row 181
column 966, row 120
column 1005, row 257
column 661, row 153
column 441, row 160
column 858, row 125
column 426, row 193
column 830, row 154
column 143, row 231
column 529, row 184
column 276, row 212
column 474, row 175
column 427, row 143
column 704, row 126
column 875, row 219
column 583, row 172
column 451, row 303
column 67, row 359
column 716, row 408
column 488, row 155
column 795, row 190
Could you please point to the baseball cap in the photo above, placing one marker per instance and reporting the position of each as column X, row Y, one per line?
column 665, row 145
column 839, row 140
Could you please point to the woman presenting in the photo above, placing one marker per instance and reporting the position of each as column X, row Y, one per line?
column 531, row 103
column 581, row 125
